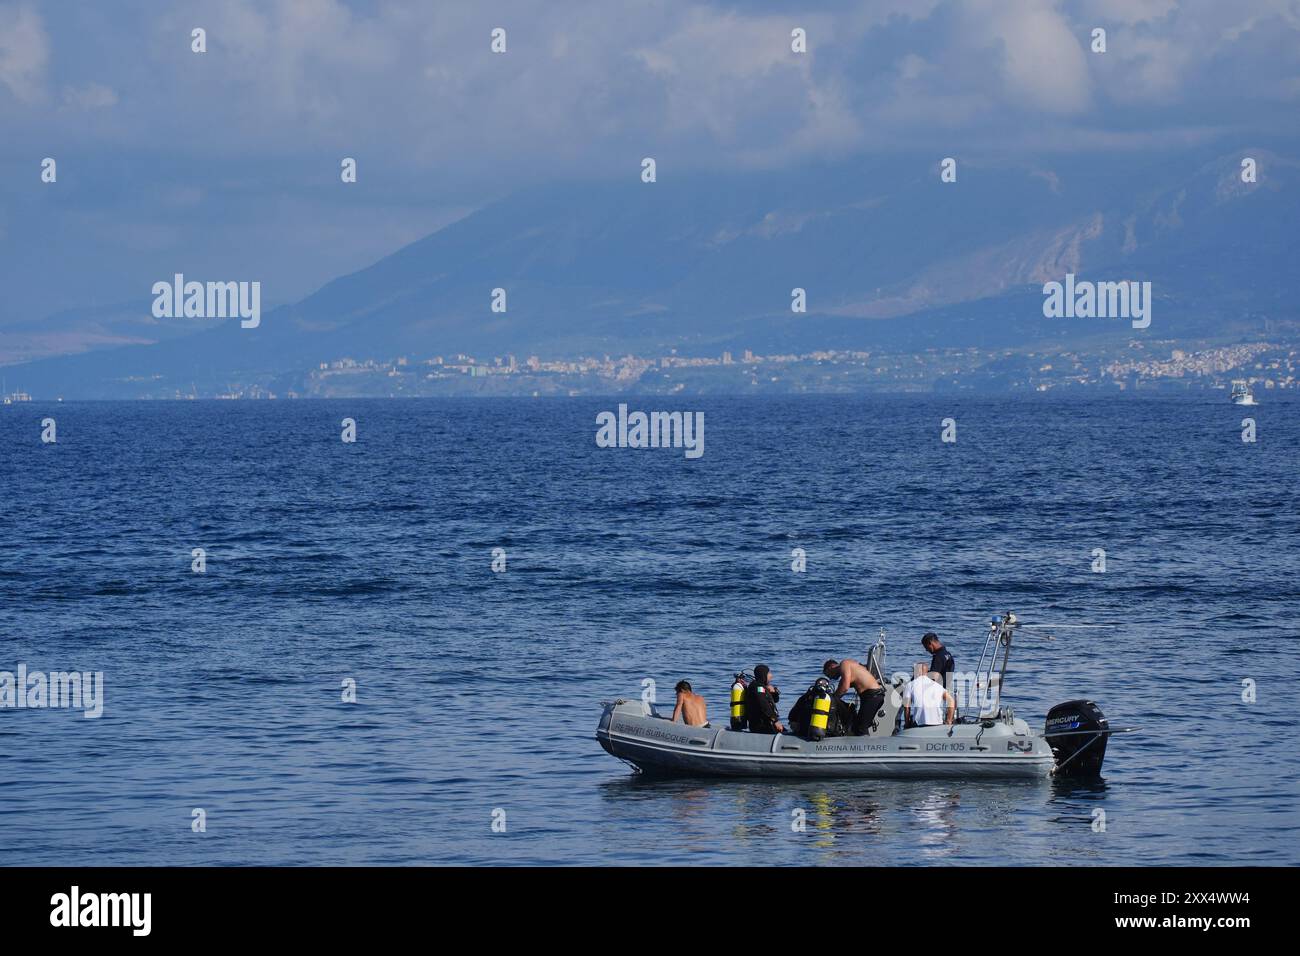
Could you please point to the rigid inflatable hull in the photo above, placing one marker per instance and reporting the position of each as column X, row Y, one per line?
column 633, row 732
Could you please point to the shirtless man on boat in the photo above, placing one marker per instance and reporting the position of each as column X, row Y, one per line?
column 856, row 676
column 691, row 707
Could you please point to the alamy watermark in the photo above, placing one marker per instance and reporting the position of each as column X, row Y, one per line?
column 211, row 300
column 969, row 689
column 129, row 910
column 651, row 430
column 76, row 690
column 1084, row 299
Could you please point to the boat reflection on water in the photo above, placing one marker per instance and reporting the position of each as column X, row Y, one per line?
column 1076, row 801
column 880, row 822
column 937, row 814
column 1074, row 788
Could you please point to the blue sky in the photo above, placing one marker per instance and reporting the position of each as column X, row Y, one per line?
column 226, row 164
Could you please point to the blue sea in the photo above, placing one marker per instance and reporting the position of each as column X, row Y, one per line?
column 478, row 692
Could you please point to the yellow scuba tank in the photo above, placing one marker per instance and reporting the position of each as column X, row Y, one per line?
column 821, row 714
column 738, row 702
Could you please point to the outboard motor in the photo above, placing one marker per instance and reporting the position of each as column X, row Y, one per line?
column 1077, row 731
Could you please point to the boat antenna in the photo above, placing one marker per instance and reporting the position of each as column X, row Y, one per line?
column 991, row 671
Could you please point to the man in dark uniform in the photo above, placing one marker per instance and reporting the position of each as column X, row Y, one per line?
column 942, row 664
column 760, row 703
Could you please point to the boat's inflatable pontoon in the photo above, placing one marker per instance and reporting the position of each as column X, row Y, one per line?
column 640, row 734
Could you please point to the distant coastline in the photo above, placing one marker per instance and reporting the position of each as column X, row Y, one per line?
column 1131, row 367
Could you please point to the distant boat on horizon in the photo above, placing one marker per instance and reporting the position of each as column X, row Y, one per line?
column 1241, row 394
column 11, row 397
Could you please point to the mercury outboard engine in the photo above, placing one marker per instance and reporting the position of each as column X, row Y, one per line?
column 1077, row 731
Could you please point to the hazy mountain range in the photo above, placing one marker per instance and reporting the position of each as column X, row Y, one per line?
column 891, row 258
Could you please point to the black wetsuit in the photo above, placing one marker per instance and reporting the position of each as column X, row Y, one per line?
column 760, row 709
column 869, row 704
column 801, row 713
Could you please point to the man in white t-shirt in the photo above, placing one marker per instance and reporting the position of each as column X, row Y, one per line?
column 926, row 703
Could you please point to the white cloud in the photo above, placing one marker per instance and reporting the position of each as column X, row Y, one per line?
column 92, row 96
column 1106, row 12
column 24, row 50
column 250, row 134
column 580, row 91
column 734, row 81
column 1043, row 65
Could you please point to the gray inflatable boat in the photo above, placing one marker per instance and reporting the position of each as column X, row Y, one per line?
column 992, row 743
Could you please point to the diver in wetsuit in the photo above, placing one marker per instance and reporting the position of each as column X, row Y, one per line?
column 760, row 703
